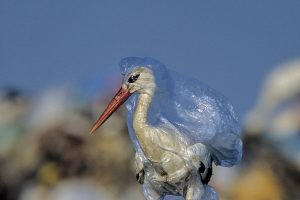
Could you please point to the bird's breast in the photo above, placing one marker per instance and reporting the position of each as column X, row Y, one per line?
column 156, row 142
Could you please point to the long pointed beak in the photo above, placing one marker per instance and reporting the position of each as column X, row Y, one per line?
column 121, row 96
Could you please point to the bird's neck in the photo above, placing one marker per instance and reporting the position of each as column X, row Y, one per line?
column 141, row 112
column 141, row 127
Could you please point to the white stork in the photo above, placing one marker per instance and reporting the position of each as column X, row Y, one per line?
column 168, row 162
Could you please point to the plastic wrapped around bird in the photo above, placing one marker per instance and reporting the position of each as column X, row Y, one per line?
column 179, row 126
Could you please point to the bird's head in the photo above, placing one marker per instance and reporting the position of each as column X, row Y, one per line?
column 140, row 79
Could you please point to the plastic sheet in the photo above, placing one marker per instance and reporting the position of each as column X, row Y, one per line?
column 187, row 108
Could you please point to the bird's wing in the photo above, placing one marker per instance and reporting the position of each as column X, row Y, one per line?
column 204, row 116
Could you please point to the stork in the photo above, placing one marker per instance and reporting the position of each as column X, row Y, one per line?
column 168, row 161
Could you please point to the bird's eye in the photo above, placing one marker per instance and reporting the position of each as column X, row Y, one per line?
column 133, row 78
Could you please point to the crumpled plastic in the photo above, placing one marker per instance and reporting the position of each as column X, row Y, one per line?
column 201, row 114
column 195, row 111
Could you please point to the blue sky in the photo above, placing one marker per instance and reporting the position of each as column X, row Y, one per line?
column 230, row 45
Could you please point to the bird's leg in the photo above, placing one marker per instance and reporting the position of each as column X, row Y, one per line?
column 150, row 193
column 195, row 189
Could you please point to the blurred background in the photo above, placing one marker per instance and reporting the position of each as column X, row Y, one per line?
column 59, row 67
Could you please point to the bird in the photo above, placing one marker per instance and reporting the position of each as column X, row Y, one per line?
column 178, row 126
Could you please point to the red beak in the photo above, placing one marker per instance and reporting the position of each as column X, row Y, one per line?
column 121, row 96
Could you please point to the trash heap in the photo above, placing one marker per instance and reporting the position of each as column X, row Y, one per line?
column 46, row 151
